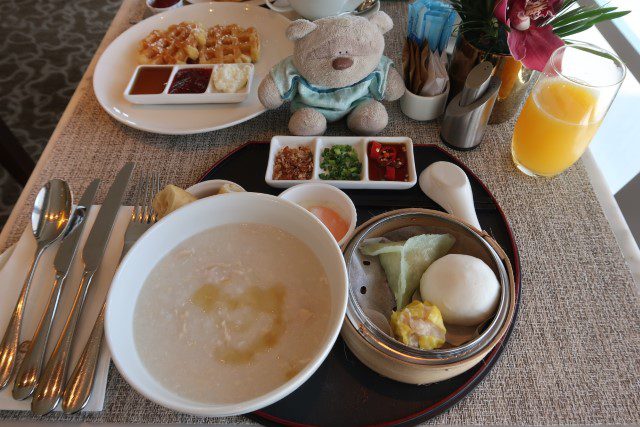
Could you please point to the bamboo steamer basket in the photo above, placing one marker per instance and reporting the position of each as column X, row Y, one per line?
column 389, row 357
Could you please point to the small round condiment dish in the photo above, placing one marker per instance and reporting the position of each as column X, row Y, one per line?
column 318, row 194
column 208, row 188
column 155, row 10
column 171, row 231
column 380, row 351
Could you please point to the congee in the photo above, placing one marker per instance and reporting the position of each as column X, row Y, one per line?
column 232, row 313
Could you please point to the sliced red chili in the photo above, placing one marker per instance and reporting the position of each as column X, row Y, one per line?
column 375, row 150
column 390, row 173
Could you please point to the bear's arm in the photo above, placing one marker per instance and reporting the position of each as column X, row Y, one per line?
column 395, row 86
column 268, row 93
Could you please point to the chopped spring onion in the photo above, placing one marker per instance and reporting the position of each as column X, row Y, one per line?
column 340, row 162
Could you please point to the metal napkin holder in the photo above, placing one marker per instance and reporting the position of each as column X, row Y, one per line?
column 463, row 125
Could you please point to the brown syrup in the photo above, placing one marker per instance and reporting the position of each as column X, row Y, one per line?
column 151, row 80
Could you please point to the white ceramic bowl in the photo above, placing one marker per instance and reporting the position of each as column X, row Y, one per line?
column 155, row 10
column 208, row 188
column 423, row 108
column 173, row 230
column 327, row 195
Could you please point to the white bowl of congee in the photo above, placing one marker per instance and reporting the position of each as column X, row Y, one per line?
column 227, row 305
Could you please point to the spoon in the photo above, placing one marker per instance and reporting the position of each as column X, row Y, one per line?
column 365, row 7
column 49, row 219
column 448, row 185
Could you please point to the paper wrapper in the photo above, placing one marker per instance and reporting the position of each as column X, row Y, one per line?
column 424, row 72
column 437, row 78
column 369, row 281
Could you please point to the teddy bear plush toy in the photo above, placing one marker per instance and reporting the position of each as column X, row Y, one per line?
column 337, row 70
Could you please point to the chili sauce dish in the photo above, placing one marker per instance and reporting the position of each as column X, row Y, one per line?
column 385, row 163
column 190, row 84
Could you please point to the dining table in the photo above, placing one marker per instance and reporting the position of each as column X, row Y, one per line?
column 574, row 353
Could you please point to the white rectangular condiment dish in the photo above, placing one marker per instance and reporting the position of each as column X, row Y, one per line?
column 209, row 96
column 360, row 144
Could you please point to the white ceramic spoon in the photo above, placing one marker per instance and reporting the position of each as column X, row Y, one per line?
column 448, row 185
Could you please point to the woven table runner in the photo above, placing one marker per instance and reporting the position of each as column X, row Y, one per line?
column 574, row 355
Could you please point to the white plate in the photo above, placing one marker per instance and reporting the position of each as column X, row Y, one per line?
column 118, row 62
column 317, row 144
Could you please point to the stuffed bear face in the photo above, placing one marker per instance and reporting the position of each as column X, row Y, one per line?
column 338, row 51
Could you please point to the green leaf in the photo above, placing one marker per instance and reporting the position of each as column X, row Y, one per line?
column 581, row 26
column 581, row 15
column 561, row 31
column 489, row 5
column 566, row 4
column 594, row 51
column 561, row 15
column 573, row 15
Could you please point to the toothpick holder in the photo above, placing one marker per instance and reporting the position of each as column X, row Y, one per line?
column 463, row 125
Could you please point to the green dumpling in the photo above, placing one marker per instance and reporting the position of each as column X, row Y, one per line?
column 404, row 263
column 374, row 249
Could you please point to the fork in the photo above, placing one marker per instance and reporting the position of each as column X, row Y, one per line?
column 78, row 389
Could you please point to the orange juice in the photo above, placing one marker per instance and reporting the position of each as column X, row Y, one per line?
column 555, row 127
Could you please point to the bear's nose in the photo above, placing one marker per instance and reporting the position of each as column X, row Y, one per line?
column 342, row 63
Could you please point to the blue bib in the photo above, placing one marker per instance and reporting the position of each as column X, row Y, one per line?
column 336, row 103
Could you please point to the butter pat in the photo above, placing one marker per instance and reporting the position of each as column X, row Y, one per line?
column 230, row 78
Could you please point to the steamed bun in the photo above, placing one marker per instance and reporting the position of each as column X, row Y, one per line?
column 463, row 287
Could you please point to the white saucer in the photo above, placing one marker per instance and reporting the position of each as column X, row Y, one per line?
column 117, row 63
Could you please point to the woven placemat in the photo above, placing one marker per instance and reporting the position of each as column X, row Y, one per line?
column 574, row 356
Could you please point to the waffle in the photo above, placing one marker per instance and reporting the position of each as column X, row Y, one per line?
column 176, row 45
column 229, row 44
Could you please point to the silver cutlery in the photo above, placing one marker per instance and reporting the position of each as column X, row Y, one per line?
column 49, row 220
column 50, row 387
column 365, row 7
column 78, row 389
column 31, row 365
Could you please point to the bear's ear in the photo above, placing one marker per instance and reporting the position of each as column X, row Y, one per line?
column 299, row 29
column 382, row 20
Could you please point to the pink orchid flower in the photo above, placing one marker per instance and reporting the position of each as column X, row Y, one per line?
column 529, row 41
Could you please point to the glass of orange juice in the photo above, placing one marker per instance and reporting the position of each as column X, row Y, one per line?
column 565, row 108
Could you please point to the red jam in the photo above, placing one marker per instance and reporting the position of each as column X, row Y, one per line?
column 191, row 80
column 387, row 162
column 161, row 4
column 151, row 80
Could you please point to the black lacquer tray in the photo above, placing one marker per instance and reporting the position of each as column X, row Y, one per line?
column 343, row 391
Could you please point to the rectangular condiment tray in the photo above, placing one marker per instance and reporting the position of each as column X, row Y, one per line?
column 209, row 96
column 318, row 144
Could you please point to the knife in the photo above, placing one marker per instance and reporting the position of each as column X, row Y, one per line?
column 51, row 384
column 29, row 370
